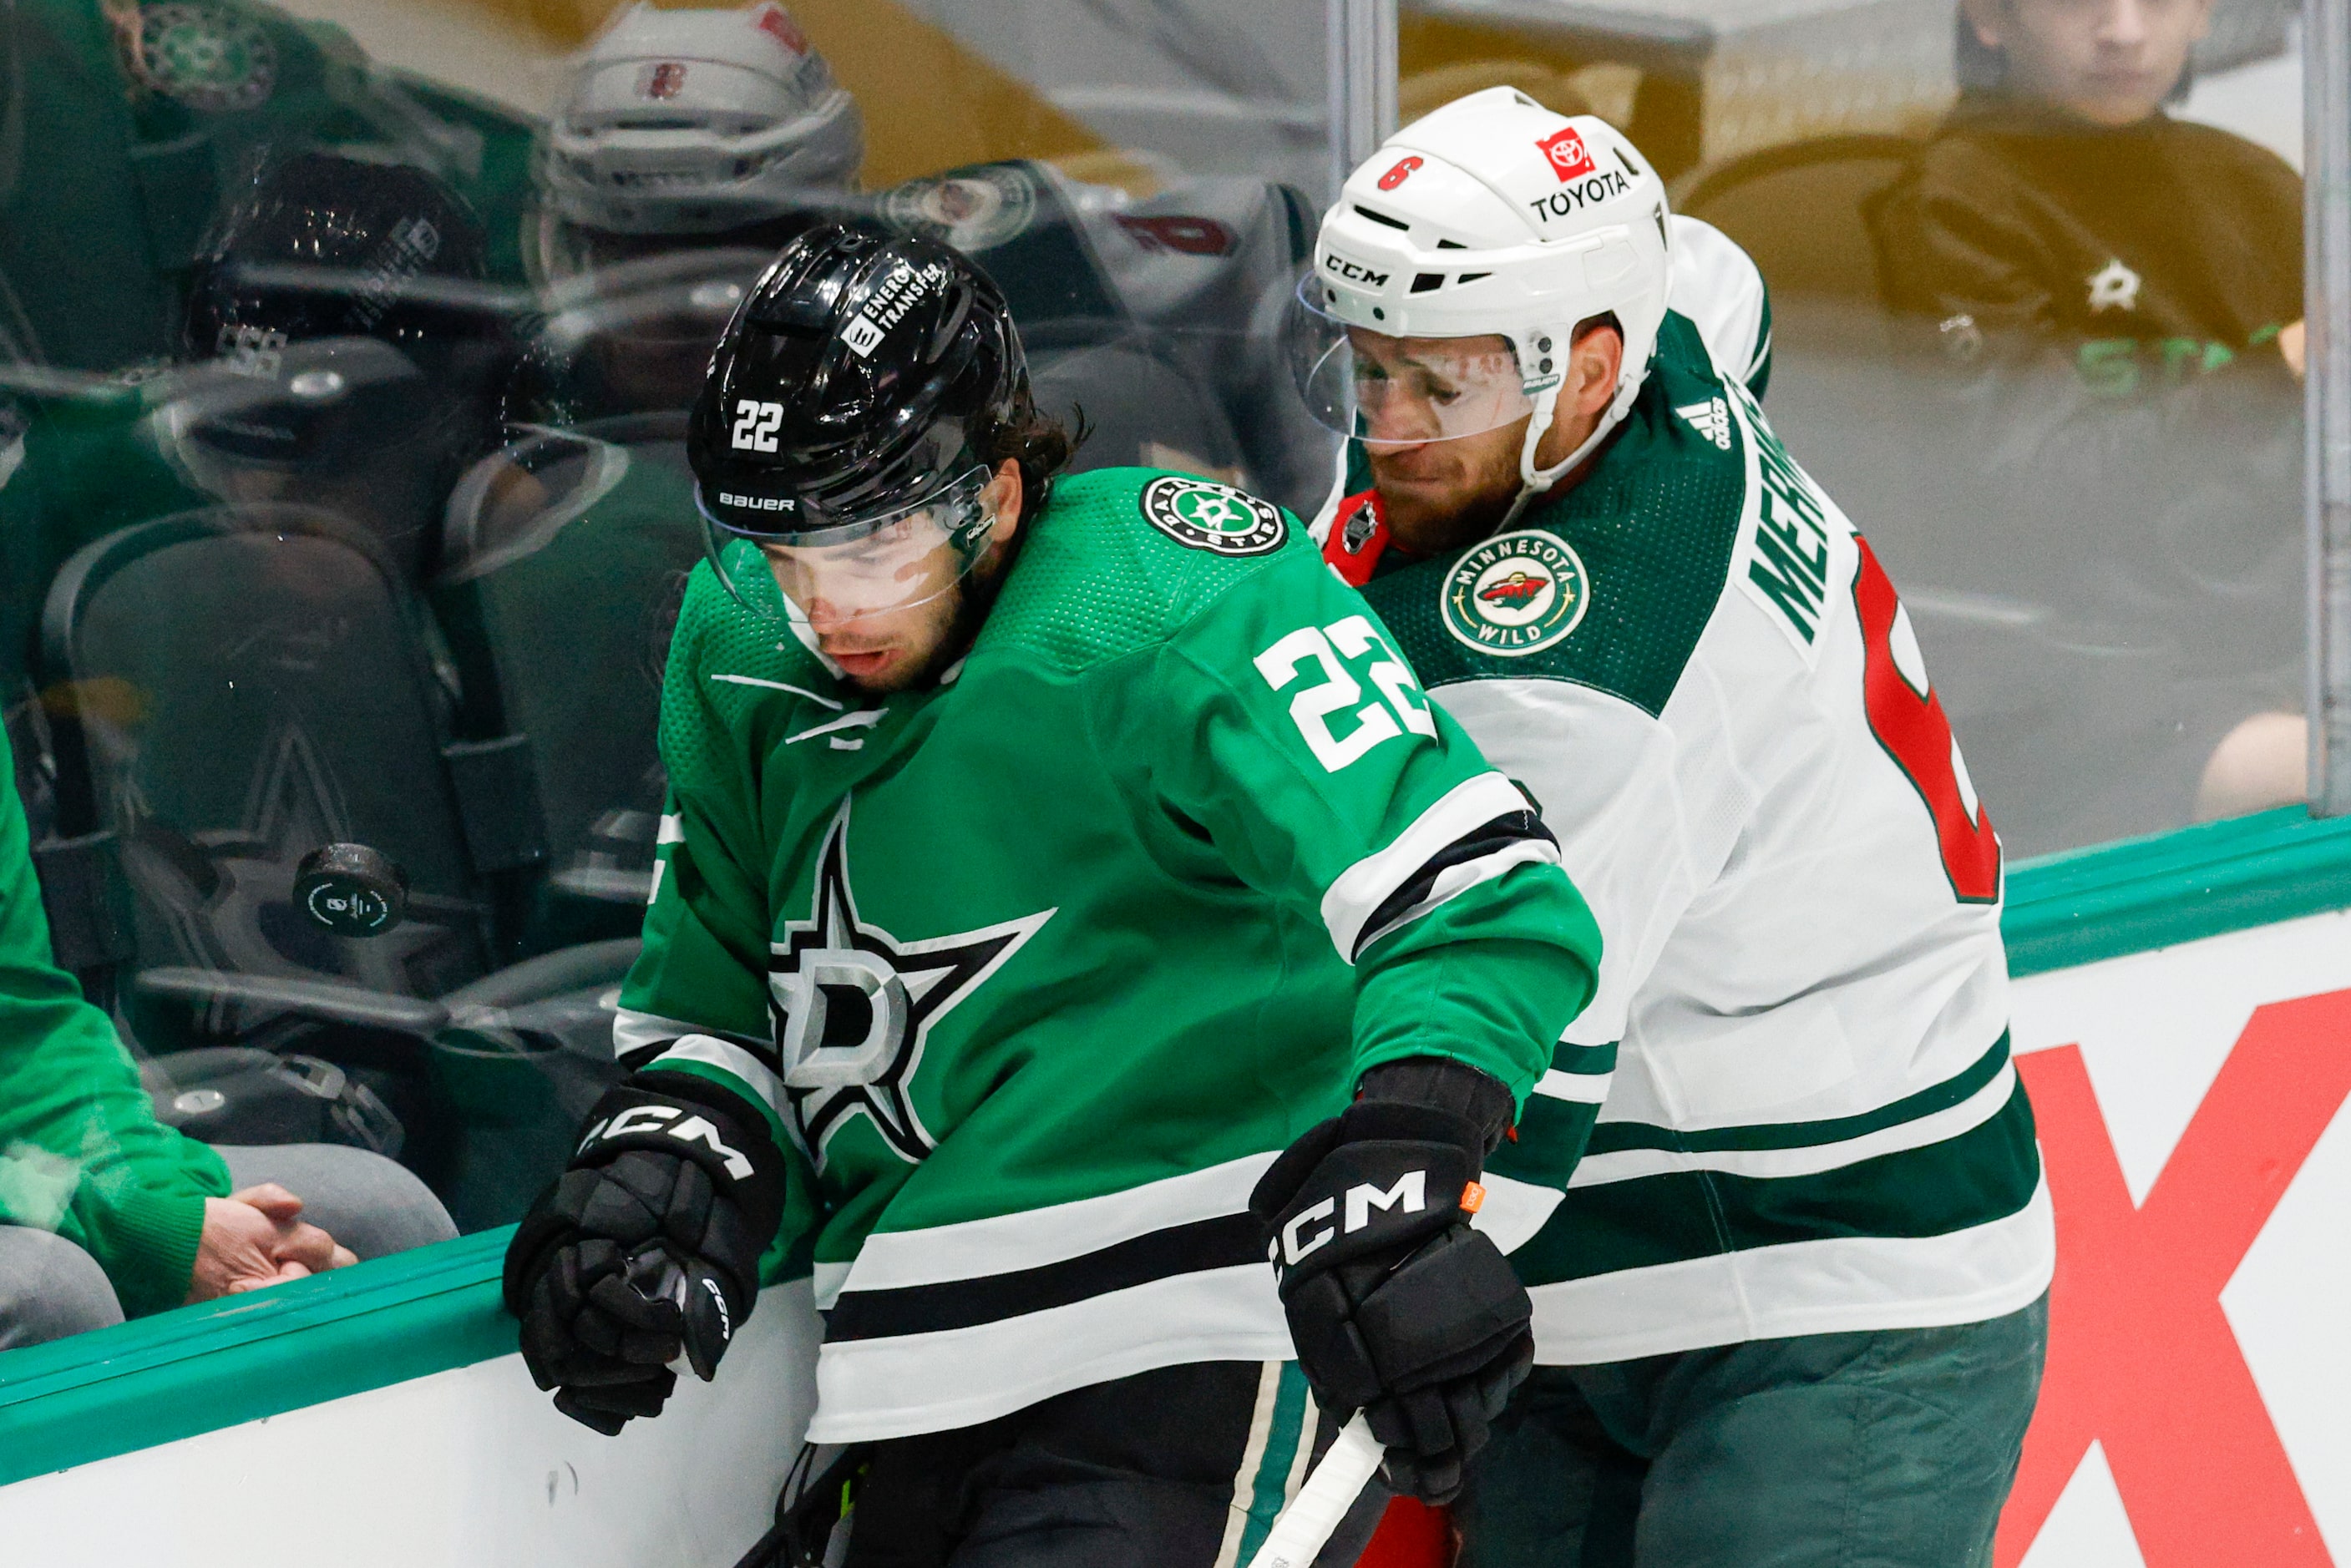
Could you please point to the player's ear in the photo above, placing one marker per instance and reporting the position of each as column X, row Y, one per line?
column 1003, row 498
column 1594, row 364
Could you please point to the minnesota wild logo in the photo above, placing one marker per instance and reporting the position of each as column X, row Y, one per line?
column 1214, row 517
column 1515, row 594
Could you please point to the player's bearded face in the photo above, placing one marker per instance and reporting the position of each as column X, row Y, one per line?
column 1442, row 421
column 888, row 607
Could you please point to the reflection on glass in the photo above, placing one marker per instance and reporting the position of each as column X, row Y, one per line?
column 2117, row 298
column 343, row 509
column 2047, row 352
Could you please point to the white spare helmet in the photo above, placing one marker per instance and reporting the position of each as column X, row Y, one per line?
column 696, row 122
column 1491, row 215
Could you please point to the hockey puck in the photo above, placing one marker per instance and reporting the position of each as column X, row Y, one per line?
column 351, row 891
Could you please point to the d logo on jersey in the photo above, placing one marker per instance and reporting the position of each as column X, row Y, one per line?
column 1515, row 594
column 854, row 1006
column 1213, row 517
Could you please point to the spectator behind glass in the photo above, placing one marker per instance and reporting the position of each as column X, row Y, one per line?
column 2059, row 198
column 106, row 1213
column 2118, row 297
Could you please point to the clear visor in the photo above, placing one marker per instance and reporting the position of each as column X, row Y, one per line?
column 834, row 577
column 1399, row 390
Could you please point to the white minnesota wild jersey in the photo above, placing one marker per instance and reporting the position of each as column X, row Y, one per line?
column 1809, row 1122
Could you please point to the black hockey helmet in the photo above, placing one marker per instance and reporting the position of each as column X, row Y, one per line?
column 323, row 247
column 851, row 398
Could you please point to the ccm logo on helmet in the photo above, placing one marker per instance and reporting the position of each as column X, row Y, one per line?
column 1607, row 183
column 1355, row 271
column 1565, row 153
column 661, row 1121
column 1410, row 1194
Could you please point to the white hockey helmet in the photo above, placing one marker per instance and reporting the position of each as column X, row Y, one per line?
column 696, row 122
column 1491, row 215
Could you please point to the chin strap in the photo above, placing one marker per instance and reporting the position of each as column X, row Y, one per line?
column 1533, row 480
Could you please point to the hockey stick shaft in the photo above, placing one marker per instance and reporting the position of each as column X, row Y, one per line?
column 1338, row 1479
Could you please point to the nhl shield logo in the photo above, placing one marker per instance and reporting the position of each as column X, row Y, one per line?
column 1213, row 517
column 1515, row 594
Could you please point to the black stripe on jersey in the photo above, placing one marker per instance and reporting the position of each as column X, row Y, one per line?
column 1515, row 828
column 635, row 1060
column 1223, row 1243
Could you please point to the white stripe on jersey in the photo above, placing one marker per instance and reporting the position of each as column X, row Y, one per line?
column 1513, row 1210
column 1456, row 880
column 1839, row 1285
column 1359, row 891
column 1809, row 1159
column 732, row 1059
column 1032, row 1238
column 633, row 1031
column 779, row 686
column 870, row 1389
column 1582, row 1088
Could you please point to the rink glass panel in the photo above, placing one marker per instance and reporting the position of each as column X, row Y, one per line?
column 2036, row 360
column 338, row 554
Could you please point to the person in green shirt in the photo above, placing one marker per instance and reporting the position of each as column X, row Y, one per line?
column 106, row 1213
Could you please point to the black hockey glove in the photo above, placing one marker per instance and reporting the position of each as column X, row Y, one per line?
column 1397, row 1307
column 647, row 1248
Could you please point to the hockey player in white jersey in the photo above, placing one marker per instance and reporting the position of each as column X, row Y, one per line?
column 1790, row 1290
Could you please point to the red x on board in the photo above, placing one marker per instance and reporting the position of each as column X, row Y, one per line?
column 2141, row 1358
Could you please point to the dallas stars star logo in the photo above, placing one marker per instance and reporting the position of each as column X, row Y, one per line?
column 857, row 1005
column 2114, row 286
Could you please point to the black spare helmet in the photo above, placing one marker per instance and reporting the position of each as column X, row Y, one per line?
column 323, row 247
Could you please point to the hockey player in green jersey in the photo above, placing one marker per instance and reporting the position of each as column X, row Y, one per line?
column 1789, row 1306
column 1052, row 863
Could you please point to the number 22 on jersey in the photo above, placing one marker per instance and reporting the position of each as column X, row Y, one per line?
column 1908, row 721
column 1325, row 650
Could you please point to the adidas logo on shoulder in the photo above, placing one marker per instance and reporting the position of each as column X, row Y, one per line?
column 1710, row 418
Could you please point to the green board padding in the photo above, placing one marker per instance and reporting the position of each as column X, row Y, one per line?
column 201, row 1369
column 178, row 1373
column 2202, row 881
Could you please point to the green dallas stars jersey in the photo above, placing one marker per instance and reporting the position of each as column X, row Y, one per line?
column 1035, row 971
column 1807, row 1118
